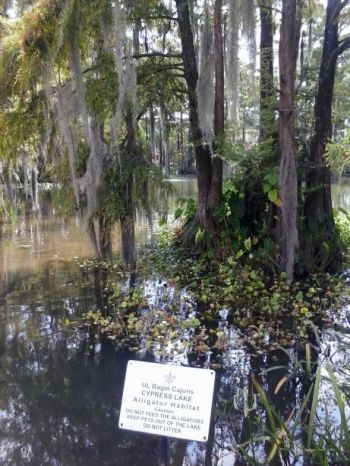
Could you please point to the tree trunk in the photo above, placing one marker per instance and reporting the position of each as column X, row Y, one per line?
column 309, row 43
column 287, row 230
column 202, row 150
column 215, row 191
column 8, row 187
column 267, row 92
column 1, row 207
column 165, row 141
column 104, row 239
column 181, row 144
column 209, row 173
column 93, row 238
column 152, row 135
column 34, row 186
column 161, row 147
column 127, row 221
column 318, row 212
column 190, row 159
column 128, row 246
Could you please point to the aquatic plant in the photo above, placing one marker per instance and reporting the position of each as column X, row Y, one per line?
column 302, row 435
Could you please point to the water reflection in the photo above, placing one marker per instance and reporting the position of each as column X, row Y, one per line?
column 60, row 392
column 341, row 193
column 59, row 397
column 30, row 243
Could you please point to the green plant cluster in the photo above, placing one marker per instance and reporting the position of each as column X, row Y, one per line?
column 269, row 311
column 302, row 435
column 259, row 302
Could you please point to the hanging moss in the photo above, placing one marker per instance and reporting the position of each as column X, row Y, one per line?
column 232, row 62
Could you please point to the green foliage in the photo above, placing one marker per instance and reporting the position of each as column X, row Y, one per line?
column 102, row 87
column 254, row 297
column 320, row 443
column 147, row 189
column 251, row 195
column 186, row 208
column 270, row 186
column 338, row 155
column 62, row 195
column 342, row 222
column 331, row 241
column 232, row 208
column 82, row 156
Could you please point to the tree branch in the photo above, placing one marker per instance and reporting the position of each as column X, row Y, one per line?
column 344, row 3
column 338, row 9
column 154, row 18
column 161, row 68
column 343, row 45
column 155, row 54
column 270, row 8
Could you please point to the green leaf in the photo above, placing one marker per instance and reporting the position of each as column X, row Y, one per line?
column 273, row 195
column 239, row 253
column 178, row 213
column 272, row 178
column 248, row 244
column 191, row 323
column 230, row 260
column 162, row 221
column 278, row 203
column 267, row 187
column 343, row 211
column 314, row 403
column 199, row 236
column 345, row 434
column 325, row 247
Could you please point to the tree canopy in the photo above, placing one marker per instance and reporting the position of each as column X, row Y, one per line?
column 104, row 98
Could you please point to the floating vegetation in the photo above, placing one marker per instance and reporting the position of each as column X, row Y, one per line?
column 197, row 307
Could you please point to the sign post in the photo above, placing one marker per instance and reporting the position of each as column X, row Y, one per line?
column 169, row 401
column 164, row 451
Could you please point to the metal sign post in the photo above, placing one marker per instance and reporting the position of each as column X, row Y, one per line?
column 164, row 444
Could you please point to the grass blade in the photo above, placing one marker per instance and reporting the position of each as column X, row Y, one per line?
column 344, row 429
column 314, row 403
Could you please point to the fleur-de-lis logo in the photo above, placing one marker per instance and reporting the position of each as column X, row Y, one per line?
column 169, row 378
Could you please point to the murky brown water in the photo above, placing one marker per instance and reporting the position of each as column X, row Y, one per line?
column 29, row 244
column 60, row 396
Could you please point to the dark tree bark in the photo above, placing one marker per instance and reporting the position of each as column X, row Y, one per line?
column 318, row 212
column 104, row 239
column 127, row 219
column 209, row 171
column 202, row 151
column 287, row 228
column 181, row 143
column 152, row 134
column 93, row 237
column 127, row 227
column 160, row 145
column 267, row 91
column 215, row 191
column 309, row 43
column 165, row 140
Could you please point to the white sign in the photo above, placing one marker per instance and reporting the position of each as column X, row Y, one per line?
column 171, row 401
